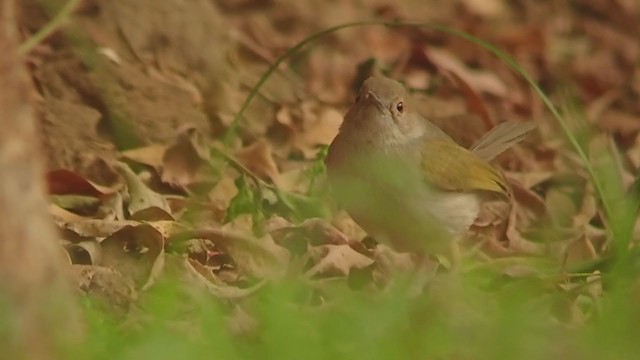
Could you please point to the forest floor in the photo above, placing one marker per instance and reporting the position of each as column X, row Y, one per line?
column 153, row 177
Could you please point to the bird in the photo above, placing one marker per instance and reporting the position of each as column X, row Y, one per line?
column 402, row 179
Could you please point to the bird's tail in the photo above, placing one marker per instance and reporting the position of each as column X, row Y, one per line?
column 500, row 138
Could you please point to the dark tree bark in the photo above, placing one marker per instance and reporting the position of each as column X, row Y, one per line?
column 34, row 297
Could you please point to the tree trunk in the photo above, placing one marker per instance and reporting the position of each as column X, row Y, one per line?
column 36, row 307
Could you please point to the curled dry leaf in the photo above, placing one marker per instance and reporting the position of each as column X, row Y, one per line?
column 112, row 208
column 87, row 252
column 106, row 285
column 492, row 213
column 64, row 182
column 61, row 215
column 260, row 258
column 191, row 273
column 528, row 199
column 580, row 251
column 516, row 241
column 137, row 251
column 335, row 260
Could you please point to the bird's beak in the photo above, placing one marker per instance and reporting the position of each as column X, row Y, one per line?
column 376, row 100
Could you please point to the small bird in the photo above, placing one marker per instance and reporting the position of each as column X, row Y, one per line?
column 406, row 182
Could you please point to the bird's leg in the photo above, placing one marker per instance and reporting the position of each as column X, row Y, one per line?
column 455, row 256
column 425, row 269
column 427, row 266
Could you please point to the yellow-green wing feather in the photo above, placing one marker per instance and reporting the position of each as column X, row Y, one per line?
column 448, row 166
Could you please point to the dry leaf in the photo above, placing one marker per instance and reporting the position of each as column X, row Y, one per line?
column 335, row 260
column 136, row 251
column 258, row 159
column 221, row 194
column 113, row 208
column 95, row 228
column 63, row 182
column 183, row 162
column 85, row 252
column 152, row 213
column 149, row 155
column 391, row 262
column 106, row 285
column 317, row 231
column 140, row 196
column 475, row 105
column 240, row 323
column 62, row 216
column 480, row 81
column 194, row 274
column 320, row 132
column 260, row 258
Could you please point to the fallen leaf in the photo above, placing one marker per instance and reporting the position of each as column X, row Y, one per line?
column 65, row 182
column 240, row 323
column 184, row 161
column 151, row 155
column 320, row 132
column 85, row 252
column 475, row 105
column 152, row 213
column 192, row 273
column 317, row 231
column 80, row 203
column 136, row 251
column 619, row 122
column 480, row 81
column 140, row 196
column 62, row 216
column 221, row 195
column 94, row 228
column 258, row 159
column 390, row 263
column 335, row 260
column 112, row 207
column 260, row 258
column 486, row 8
column 108, row 286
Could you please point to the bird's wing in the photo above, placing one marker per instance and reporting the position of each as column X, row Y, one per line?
column 448, row 166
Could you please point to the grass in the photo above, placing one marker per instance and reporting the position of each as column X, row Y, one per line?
column 519, row 321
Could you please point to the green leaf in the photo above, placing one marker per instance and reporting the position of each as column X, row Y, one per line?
column 244, row 202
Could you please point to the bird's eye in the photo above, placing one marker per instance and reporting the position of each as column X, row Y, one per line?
column 400, row 107
column 357, row 99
